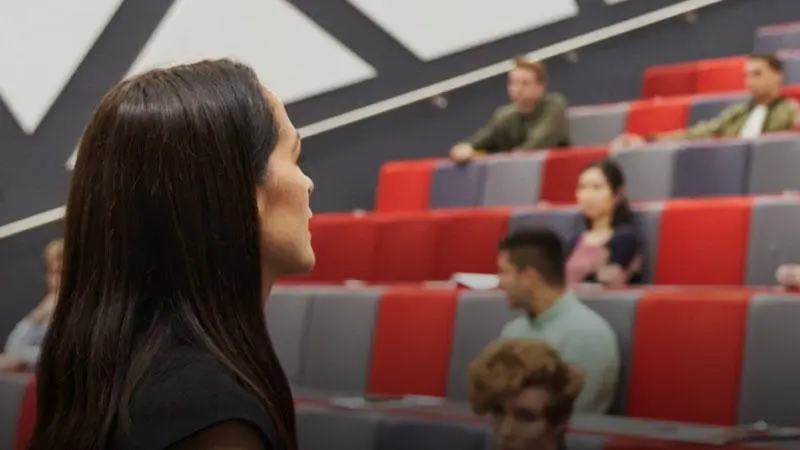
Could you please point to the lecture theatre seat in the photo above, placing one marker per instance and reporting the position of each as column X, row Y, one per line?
column 658, row 115
column 773, row 238
column 711, row 169
column 513, row 179
column 404, row 185
column 406, row 247
column 344, row 245
column 468, row 240
column 709, row 106
column 17, row 410
column 561, row 171
column 670, row 80
column 596, row 124
column 771, row 38
column 721, row 75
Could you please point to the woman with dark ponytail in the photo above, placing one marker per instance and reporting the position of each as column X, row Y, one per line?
column 608, row 249
column 186, row 203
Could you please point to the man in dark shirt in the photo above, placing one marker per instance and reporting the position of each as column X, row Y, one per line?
column 535, row 119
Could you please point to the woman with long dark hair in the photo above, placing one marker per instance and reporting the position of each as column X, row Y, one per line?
column 186, row 203
column 608, row 249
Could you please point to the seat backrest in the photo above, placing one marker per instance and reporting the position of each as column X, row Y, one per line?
column 658, row 115
column 344, row 245
column 669, row 80
column 687, row 355
column 405, row 433
column 703, row 241
column 325, row 429
column 406, row 247
column 561, row 171
column 618, row 308
column 720, row 75
column 12, row 394
column 773, row 238
column 339, row 343
column 468, row 241
column 480, row 317
column 711, row 169
column 648, row 171
column 770, row 39
column 404, row 185
column 512, row 180
column 287, row 312
column 707, row 107
column 413, row 341
column 771, row 368
column 773, row 164
column 791, row 70
column 564, row 221
column 579, row 441
column 457, row 185
column 648, row 222
column 593, row 125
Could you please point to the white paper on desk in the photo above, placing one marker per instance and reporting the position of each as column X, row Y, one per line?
column 476, row 281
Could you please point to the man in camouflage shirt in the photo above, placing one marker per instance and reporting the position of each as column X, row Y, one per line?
column 766, row 111
column 535, row 119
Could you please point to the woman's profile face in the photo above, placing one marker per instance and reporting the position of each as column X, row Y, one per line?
column 594, row 195
column 283, row 202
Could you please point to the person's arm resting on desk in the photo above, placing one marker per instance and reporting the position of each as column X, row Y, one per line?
column 485, row 139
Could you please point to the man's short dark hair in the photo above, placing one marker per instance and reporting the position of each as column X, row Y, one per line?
column 537, row 248
column 770, row 59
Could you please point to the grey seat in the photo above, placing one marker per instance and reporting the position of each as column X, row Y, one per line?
column 577, row 441
column 619, row 310
column 512, row 180
column 772, row 238
column 771, row 367
column 773, row 164
column 564, row 221
column 648, row 221
column 709, row 169
column 772, row 39
column 457, row 185
column 329, row 429
column 648, row 171
column 339, row 342
column 791, row 70
column 406, row 433
column 591, row 125
column 12, row 392
column 480, row 317
column 707, row 107
column 287, row 313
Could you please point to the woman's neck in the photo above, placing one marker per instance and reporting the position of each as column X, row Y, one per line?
column 601, row 224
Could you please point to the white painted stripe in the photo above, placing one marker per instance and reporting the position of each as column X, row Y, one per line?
column 497, row 69
column 433, row 90
column 32, row 222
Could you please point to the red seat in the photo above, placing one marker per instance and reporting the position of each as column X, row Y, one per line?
column 406, row 247
column 686, row 359
column 792, row 91
column 561, row 170
column 344, row 245
column 670, row 80
column 721, row 75
column 703, row 241
column 404, row 185
column 468, row 241
column 413, row 340
column 27, row 417
column 658, row 115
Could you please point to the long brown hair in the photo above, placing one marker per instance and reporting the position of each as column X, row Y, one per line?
column 161, row 247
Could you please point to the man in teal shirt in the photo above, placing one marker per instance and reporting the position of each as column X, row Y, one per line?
column 531, row 272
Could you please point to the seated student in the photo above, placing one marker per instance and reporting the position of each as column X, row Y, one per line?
column 527, row 390
column 609, row 250
column 24, row 343
column 766, row 111
column 531, row 273
column 535, row 119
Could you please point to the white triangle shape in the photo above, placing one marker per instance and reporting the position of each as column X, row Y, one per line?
column 294, row 57
column 42, row 42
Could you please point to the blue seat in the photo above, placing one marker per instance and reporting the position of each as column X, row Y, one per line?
column 772, row 238
column 791, row 70
column 709, row 169
column 773, row 165
column 773, row 38
column 564, row 221
column 512, row 180
column 457, row 185
column 707, row 107
column 339, row 341
column 648, row 222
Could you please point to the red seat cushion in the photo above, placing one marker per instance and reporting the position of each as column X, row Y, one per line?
column 561, row 170
column 413, row 340
column 721, row 75
column 27, row 417
column 792, row 91
column 344, row 245
column 658, row 115
column 404, row 185
column 670, row 80
column 468, row 241
column 406, row 247
column 686, row 358
column 703, row 241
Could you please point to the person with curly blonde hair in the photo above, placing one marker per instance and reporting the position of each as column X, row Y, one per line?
column 527, row 390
